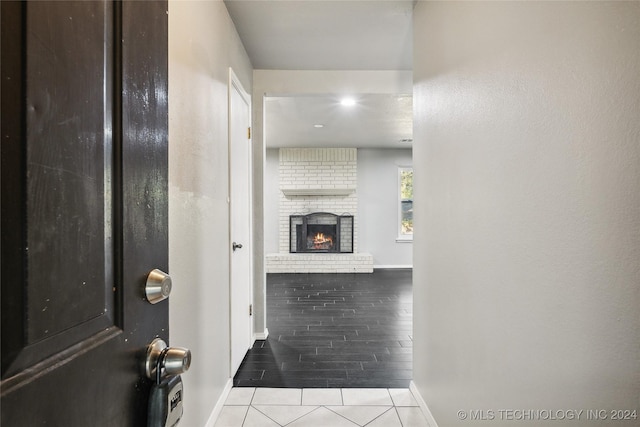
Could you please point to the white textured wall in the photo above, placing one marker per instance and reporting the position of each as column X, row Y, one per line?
column 378, row 198
column 527, row 195
column 202, row 45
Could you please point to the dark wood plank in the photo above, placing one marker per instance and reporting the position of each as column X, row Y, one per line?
column 334, row 330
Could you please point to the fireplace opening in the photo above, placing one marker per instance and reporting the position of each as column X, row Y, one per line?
column 321, row 232
column 321, row 237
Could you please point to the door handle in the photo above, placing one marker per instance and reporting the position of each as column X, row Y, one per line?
column 170, row 361
column 165, row 364
column 236, row 246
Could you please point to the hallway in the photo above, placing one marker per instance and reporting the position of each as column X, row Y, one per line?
column 334, row 330
column 525, row 153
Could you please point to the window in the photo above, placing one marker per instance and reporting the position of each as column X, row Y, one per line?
column 405, row 210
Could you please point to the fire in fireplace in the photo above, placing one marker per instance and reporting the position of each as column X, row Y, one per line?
column 321, row 232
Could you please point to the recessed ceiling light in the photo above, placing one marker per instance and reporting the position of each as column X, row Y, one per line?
column 318, row 126
column 348, row 102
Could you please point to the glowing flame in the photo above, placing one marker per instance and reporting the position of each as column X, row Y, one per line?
column 320, row 241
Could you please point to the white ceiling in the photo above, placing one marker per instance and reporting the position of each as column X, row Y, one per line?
column 325, row 34
column 330, row 35
column 376, row 120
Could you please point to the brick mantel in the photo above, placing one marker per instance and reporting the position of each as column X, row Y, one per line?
column 318, row 191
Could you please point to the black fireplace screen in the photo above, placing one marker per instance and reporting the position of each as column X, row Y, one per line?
column 321, row 232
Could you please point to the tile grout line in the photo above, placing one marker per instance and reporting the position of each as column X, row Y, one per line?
column 395, row 408
column 390, row 409
column 245, row 415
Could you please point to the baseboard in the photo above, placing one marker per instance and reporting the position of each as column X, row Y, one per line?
column 423, row 405
column 219, row 404
column 392, row 267
column 261, row 335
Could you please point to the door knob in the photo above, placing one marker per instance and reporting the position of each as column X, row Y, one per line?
column 236, row 246
column 158, row 286
column 170, row 361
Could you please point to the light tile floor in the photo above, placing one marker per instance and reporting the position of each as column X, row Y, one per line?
column 314, row 407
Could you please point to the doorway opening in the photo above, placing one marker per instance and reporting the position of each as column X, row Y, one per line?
column 333, row 329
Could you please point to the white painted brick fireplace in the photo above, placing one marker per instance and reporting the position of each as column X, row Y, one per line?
column 317, row 180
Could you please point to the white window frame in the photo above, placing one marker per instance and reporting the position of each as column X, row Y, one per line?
column 402, row 238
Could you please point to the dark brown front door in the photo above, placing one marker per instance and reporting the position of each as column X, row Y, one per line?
column 84, row 208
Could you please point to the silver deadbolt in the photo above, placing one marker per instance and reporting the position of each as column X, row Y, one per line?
column 158, row 286
column 236, row 246
column 170, row 360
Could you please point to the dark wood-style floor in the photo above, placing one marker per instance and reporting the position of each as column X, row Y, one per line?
column 334, row 330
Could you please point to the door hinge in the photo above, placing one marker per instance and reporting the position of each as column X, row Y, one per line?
column 248, row 133
column 250, row 309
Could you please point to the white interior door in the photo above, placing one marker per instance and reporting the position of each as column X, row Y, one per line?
column 240, row 218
